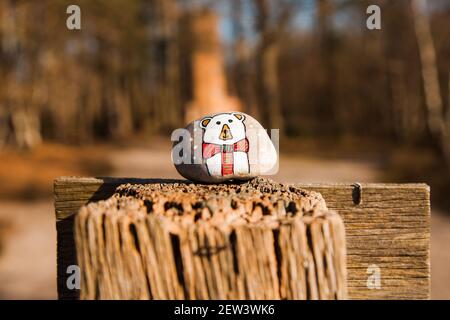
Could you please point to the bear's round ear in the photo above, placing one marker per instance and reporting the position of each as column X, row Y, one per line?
column 204, row 122
column 239, row 116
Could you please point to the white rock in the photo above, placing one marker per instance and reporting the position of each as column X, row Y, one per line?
column 226, row 146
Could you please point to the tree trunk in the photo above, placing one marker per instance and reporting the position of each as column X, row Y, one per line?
column 242, row 84
column 168, row 109
column 267, row 65
column 433, row 98
column 325, row 103
column 23, row 114
column 26, row 127
column 269, row 86
column 4, row 127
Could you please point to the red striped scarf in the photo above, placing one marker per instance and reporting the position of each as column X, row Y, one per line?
column 211, row 149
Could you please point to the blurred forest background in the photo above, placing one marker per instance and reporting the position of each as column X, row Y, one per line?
column 308, row 67
column 352, row 104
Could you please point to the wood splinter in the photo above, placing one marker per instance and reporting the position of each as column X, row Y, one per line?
column 177, row 245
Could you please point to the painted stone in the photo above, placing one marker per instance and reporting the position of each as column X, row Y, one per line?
column 222, row 147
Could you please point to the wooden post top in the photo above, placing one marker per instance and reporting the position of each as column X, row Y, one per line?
column 387, row 231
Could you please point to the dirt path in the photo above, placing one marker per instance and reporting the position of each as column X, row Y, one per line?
column 27, row 265
column 157, row 163
column 440, row 255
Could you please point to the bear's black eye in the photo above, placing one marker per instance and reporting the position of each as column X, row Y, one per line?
column 230, row 120
column 218, row 122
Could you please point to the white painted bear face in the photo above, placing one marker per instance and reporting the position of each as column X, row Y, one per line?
column 224, row 128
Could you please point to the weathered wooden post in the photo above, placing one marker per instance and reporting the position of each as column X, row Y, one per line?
column 387, row 232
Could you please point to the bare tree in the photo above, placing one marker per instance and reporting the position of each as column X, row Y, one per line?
column 433, row 99
column 271, row 21
column 164, row 22
column 24, row 118
column 242, row 83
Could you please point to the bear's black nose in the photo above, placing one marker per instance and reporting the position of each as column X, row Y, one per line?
column 225, row 134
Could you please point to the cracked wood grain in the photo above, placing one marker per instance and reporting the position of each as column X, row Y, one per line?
column 389, row 227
